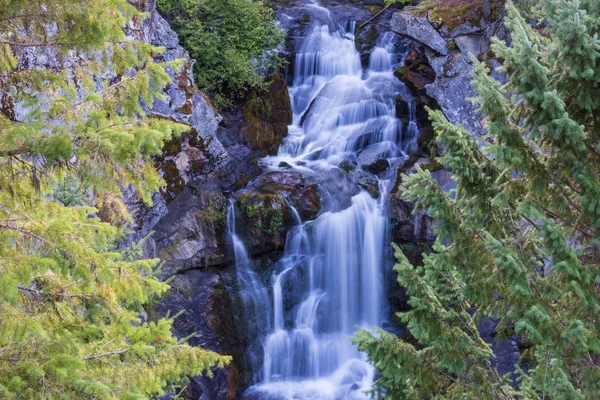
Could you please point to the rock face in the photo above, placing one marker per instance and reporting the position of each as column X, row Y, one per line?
column 208, row 322
column 267, row 116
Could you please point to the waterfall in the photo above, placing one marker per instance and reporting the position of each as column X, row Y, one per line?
column 330, row 278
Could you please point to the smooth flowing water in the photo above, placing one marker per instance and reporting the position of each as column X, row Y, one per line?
column 332, row 266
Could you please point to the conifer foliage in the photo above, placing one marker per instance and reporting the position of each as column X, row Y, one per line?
column 518, row 238
column 73, row 135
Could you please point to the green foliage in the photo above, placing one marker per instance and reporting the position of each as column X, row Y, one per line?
column 70, row 141
column 518, row 238
column 230, row 40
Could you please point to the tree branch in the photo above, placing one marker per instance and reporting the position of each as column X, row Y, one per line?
column 110, row 353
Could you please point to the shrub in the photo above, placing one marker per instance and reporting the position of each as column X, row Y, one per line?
column 232, row 41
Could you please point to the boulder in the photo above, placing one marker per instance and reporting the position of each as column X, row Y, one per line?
column 418, row 28
column 294, row 188
column 443, row 76
column 262, row 221
column 472, row 44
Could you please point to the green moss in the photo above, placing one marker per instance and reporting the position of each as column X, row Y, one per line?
column 187, row 108
column 452, row 13
column 402, row 73
column 374, row 9
column 265, row 211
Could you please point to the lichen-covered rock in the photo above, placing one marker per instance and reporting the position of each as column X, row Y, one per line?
column 267, row 116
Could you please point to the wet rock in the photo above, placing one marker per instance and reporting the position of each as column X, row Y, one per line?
column 419, row 28
column 284, row 165
column 368, row 182
column 293, row 187
column 267, row 116
column 348, row 166
column 402, row 109
column 262, row 221
column 378, row 166
column 366, row 42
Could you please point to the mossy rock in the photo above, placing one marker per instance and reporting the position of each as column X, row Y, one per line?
column 267, row 116
column 262, row 221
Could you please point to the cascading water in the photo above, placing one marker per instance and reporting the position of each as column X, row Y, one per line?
column 334, row 264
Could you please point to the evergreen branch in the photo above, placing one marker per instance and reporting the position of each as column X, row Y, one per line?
column 35, row 236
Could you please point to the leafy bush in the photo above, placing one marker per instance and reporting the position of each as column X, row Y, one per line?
column 230, row 40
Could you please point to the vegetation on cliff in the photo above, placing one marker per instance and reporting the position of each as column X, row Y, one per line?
column 72, row 138
column 518, row 240
column 232, row 42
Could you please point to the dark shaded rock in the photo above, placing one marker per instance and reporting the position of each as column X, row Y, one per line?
column 408, row 227
column 207, row 320
column 507, row 349
column 402, row 109
column 267, row 116
column 416, row 73
column 413, row 234
column 284, row 165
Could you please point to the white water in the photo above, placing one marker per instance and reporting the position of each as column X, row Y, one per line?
column 333, row 265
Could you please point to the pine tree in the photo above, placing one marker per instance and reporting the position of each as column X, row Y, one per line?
column 518, row 238
column 73, row 134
